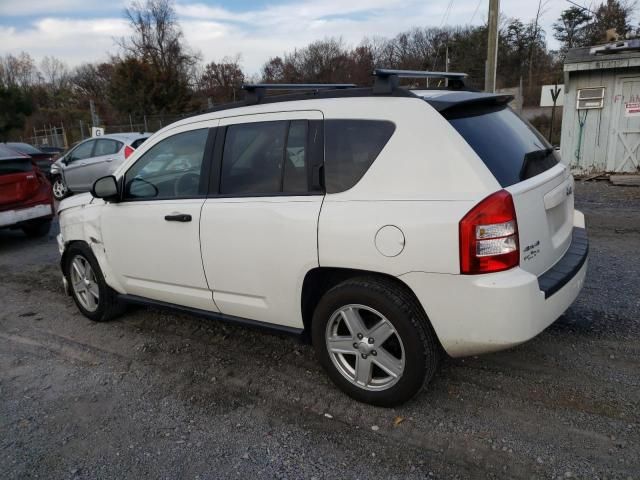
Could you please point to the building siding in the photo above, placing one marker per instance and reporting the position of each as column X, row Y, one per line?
column 597, row 130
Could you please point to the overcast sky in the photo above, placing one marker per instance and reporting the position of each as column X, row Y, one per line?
column 78, row 31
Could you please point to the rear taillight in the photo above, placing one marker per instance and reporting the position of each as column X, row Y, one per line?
column 489, row 236
column 128, row 150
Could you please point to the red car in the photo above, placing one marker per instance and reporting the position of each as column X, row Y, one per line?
column 26, row 201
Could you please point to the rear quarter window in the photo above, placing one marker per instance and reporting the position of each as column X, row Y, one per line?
column 508, row 145
column 351, row 147
column 138, row 142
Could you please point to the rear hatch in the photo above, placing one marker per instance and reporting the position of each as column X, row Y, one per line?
column 18, row 181
column 525, row 165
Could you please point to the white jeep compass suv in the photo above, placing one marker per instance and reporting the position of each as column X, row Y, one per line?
column 385, row 225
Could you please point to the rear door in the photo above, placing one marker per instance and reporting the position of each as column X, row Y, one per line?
column 106, row 158
column 524, row 163
column 259, row 231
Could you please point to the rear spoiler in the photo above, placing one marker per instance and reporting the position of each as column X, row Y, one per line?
column 453, row 100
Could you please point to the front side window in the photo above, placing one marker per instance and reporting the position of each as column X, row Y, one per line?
column 107, row 146
column 351, row 147
column 82, row 151
column 170, row 169
column 265, row 158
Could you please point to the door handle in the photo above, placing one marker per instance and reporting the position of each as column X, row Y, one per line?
column 109, row 160
column 178, row 217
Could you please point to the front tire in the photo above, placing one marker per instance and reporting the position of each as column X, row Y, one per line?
column 91, row 294
column 59, row 188
column 375, row 341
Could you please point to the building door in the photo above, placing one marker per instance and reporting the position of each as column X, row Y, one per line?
column 624, row 142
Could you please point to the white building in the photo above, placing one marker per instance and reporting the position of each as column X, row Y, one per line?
column 601, row 117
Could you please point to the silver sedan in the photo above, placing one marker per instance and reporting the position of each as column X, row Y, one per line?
column 91, row 159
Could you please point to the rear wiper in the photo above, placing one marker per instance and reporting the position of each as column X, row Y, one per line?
column 536, row 162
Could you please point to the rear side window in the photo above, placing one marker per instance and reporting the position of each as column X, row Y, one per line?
column 510, row 148
column 351, row 147
column 19, row 165
column 265, row 158
column 107, row 146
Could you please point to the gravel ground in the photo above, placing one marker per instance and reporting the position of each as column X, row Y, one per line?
column 160, row 395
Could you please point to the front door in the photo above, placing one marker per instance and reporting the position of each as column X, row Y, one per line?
column 77, row 166
column 152, row 237
column 624, row 142
column 259, row 233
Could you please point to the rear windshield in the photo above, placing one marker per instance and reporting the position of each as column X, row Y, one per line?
column 19, row 165
column 508, row 145
column 24, row 148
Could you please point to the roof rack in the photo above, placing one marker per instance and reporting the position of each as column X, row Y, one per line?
column 388, row 80
column 257, row 91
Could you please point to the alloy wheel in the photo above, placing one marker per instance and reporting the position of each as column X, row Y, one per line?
column 59, row 189
column 365, row 347
column 84, row 283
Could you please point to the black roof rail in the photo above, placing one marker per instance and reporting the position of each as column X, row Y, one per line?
column 257, row 91
column 388, row 79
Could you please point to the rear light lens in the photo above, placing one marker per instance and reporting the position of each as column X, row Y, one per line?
column 489, row 236
column 128, row 150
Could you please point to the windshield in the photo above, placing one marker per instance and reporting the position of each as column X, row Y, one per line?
column 508, row 145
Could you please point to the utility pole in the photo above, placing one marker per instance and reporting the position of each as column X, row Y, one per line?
column 492, row 47
column 446, row 64
column 95, row 120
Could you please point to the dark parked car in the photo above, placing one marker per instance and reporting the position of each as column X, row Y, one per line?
column 42, row 159
column 26, row 201
column 52, row 150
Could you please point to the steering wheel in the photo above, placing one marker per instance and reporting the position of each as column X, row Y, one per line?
column 186, row 184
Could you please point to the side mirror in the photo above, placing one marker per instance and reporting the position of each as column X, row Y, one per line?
column 106, row 188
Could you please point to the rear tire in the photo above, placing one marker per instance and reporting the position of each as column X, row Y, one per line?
column 91, row 294
column 37, row 228
column 390, row 354
column 59, row 188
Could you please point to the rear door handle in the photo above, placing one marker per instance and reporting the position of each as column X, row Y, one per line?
column 178, row 217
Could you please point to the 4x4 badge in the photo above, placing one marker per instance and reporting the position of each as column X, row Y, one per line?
column 569, row 190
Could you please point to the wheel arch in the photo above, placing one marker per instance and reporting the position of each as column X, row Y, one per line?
column 319, row 280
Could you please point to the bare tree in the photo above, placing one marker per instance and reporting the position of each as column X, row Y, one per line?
column 55, row 73
column 18, row 71
column 156, row 61
column 222, row 80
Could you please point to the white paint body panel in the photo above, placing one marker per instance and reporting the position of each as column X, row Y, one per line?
column 474, row 314
column 153, row 258
column 256, row 253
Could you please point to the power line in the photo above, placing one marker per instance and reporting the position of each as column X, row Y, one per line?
column 446, row 13
column 476, row 11
column 581, row 6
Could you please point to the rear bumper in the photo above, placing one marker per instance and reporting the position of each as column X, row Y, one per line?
column 479, row 314
column 9, row 218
